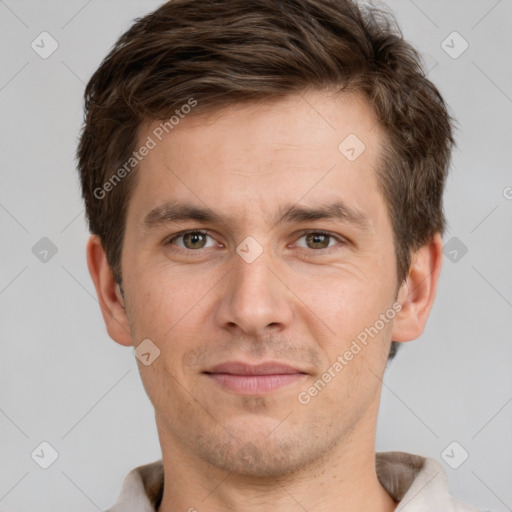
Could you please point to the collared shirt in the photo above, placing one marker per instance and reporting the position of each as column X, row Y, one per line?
column 418, row 483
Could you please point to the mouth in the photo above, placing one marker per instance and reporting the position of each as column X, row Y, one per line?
column 249, row 379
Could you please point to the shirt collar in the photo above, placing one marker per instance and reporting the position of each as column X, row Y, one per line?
column 418, row 483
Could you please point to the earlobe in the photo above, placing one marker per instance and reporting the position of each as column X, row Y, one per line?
column 110, row 298
column 417, row 293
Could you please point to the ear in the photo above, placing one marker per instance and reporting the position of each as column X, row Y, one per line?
column 109, row 294
column 418, row 291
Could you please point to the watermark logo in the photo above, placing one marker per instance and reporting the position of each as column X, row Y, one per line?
column 249, row 249
column 454, row 455
column 44, row 455
column 250, row 454
column 455, row 249
column 44, row 250
column 146, row 352
column 351, row 147
column 44, row 45
column 454, row 45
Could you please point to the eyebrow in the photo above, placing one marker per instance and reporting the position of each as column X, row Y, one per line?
column 175, row 212
column 332, row 211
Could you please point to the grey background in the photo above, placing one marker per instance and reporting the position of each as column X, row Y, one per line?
column 62, row 380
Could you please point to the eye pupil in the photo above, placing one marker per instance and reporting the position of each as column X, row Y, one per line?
column 197, row 240
column 317, row 240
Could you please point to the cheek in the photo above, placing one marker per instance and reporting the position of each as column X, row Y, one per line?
column 356, row 351
column 354, row 372
column 345, row 303
column 163, row 301
column 169, row 309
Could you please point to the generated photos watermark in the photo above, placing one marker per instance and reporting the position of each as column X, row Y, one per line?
column 151, row 142
column 361, row 341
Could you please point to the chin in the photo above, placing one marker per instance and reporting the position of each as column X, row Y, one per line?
column 263, row 455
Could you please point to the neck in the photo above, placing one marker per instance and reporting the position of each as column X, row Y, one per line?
column 345, row 480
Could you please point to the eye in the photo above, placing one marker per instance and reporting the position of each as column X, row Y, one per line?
column 192, row 240
column 319, row 240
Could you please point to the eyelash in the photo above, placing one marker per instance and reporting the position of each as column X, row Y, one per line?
column 193, row 252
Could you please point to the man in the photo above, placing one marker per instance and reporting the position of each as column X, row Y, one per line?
column 263, row 183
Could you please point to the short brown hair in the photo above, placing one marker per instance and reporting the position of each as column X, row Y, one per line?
column 227, row 51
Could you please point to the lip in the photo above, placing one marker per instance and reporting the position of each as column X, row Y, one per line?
column 250, row 379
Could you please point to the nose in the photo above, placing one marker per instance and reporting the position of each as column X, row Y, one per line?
column 254, row 300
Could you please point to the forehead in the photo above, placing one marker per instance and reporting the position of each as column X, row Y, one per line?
column 311, row 121
column 312, row 147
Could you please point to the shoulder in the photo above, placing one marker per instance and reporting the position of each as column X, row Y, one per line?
column 418, row 483
column 142, row 489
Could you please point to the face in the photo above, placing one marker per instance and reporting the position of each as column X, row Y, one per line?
column 257, row 250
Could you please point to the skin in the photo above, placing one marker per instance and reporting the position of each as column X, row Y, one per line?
column 297, row 303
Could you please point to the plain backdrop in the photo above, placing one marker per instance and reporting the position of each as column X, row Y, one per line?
column 63, row 381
